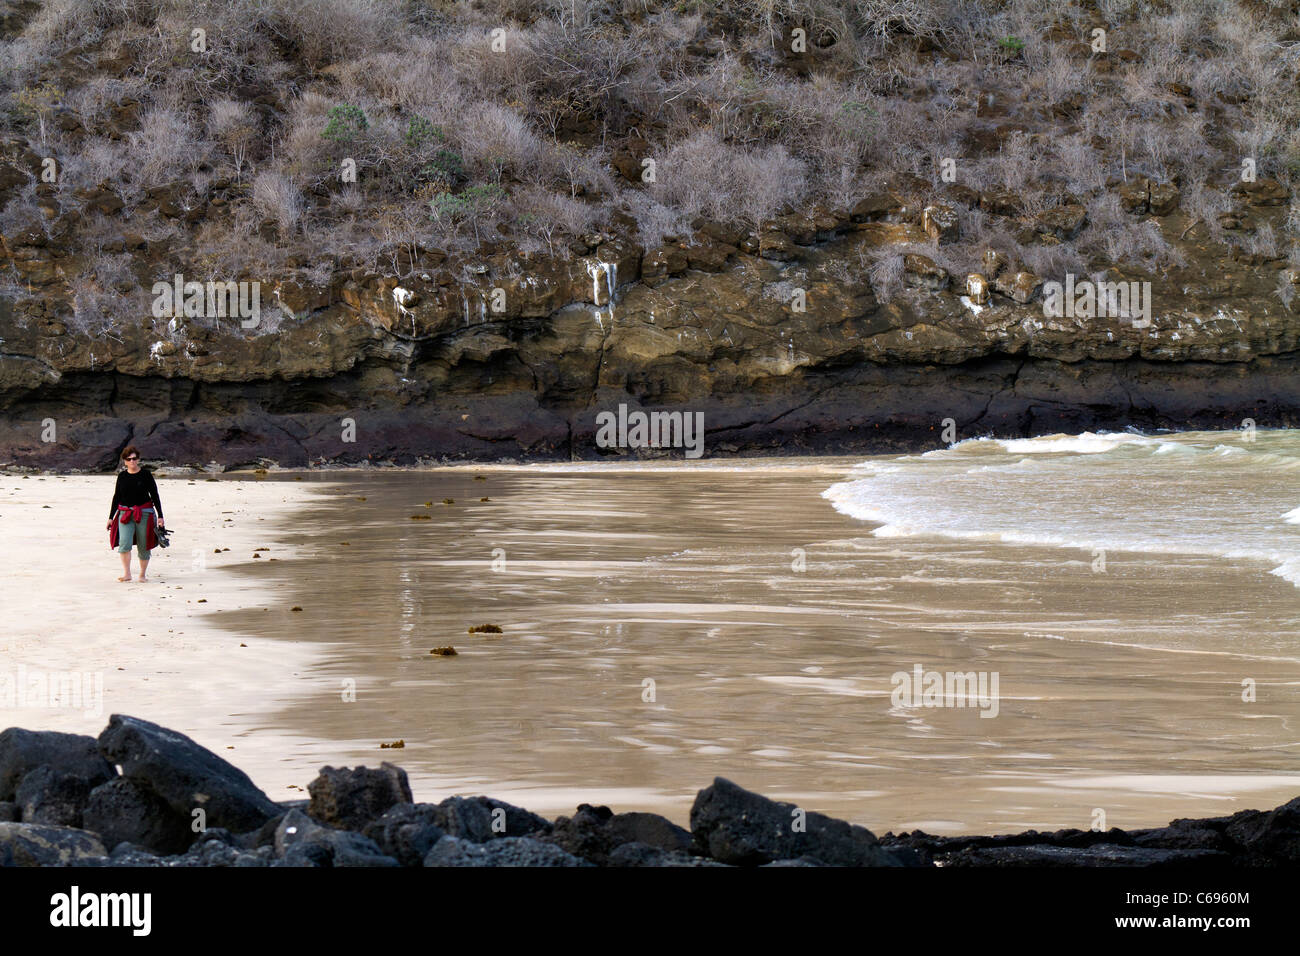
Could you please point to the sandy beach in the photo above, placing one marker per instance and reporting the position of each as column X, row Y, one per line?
column 145, row 648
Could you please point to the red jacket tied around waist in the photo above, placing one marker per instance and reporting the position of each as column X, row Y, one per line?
column 127, row 514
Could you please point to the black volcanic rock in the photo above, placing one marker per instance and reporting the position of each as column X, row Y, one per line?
column 49, row 797
column 1274, row 835
column 594, row 833
column 68, row 755
column 507, row 851
column 927, row 848
column 1101, row 854
column 130, row 855
column 185, row 775
column 466, row 819
column 1184, row 835
column 351, row 798
column 642, row 854
column 128, row 811
column 479, row 819
column 217, row 852
column 800, row 861
column 34, row 844
column 733, row 825
column 301, row 841
column 407, row 832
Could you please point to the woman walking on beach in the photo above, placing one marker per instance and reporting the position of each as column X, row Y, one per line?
column 131, row 516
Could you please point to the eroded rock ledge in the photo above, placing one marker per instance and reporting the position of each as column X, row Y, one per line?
column 176, row 804
column 779, row 339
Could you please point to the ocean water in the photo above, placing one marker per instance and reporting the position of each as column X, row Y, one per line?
column 1228, row 495
column 1133, row 596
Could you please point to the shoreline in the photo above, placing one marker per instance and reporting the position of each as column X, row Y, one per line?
column 259, row 469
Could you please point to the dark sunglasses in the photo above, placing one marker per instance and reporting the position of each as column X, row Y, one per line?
column 133, row 458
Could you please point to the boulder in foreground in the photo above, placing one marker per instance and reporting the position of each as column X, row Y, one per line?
column 53, row 798
column 595, row 833
column 733, row 825
column 352, row 798
column 185, row 775
column 479, row 819
column 407, row 832
column 301, row 841
column 1272, row 835
column 127, row 811
column 69, row 755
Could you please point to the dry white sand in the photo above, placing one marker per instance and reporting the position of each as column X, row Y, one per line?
column 144, row 649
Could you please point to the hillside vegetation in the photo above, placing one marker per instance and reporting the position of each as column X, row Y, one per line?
column 529, row 125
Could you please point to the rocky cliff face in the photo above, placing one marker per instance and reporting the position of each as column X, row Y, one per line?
column 776, row 336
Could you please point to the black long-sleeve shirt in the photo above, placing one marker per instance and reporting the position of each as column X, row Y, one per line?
column 137, row 489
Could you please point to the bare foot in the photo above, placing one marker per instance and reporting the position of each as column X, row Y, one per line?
column 125, row 578
column 144, row 580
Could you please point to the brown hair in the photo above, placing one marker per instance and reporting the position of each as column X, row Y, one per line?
column 130, row 450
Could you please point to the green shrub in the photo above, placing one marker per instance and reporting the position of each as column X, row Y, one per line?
column 345, row 123
column 445, row 168
column 421, row 131
column 472, row 201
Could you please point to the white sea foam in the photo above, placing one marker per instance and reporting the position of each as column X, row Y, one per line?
column 1289, row 570
column 1187, row 494
column 1014, row 466
column 1086, row 443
